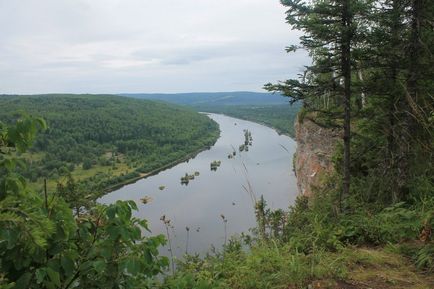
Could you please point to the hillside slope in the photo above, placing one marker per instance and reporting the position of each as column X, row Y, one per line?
column 280, row 117
column 106, row 139
column 214, row 98
column 266, row 108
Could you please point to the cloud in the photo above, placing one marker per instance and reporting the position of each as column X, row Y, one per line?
column 109, row 46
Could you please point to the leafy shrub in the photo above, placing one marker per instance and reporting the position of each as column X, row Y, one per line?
column 393, row 224
column 42, row 245
column 425, row 258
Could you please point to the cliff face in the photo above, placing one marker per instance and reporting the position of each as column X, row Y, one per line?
column 315, row 147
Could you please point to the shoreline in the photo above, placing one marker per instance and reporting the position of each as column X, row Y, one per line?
column 279, row 132
column 183, row 159
column 157, row 170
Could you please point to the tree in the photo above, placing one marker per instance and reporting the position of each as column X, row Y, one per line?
column 329, row 37
column 87, row 164
column 42, row 245
column 372, row 69
column 398, row 83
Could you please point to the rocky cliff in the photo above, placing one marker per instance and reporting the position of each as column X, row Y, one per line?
column 315, row 147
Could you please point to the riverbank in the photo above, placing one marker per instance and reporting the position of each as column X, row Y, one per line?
column 192, row 155
column 269, row 125
column 100, row 180
column 215, row 192
column 158, row 170
column 279, row 117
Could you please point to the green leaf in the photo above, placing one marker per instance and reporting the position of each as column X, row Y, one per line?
column 99, row 266
column 111, row 212
column 67, row 265
column 86, row 265
column 132, row 204
column 41, row 122
column 40, row 275
column 54, row 276
column 23, row 281
column 148, row 256
column 8, row 164
column 106, row 252
column 133, row 265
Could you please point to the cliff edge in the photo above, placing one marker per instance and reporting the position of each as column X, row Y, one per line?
column 313, row 159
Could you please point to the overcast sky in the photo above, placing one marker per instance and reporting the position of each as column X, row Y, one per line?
column 112, row 46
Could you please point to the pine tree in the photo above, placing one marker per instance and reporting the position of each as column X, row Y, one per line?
column 330, row 35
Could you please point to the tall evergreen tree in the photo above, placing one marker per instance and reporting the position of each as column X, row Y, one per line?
column 398, row 85
column 330, row 35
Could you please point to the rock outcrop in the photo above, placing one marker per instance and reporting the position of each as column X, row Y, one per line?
column 315, row 147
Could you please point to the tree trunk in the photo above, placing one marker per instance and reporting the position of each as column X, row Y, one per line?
column 411, row 95
column 395, row 97
column 346, row 72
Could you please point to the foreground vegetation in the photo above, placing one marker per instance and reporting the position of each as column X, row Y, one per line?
column 46, row 242
column 313, row 246
column 280, row 117
column 104, row 140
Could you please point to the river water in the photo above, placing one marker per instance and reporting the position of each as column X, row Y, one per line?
column 266, row 169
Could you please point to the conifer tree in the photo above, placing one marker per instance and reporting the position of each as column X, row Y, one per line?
column 330, row 35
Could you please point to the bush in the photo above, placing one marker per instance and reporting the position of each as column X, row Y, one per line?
column 87, row 164
column 393, row 224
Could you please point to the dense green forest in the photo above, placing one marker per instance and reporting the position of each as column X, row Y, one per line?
column 267, row 108
column 279, row 117
column 214, row 98
column 102, row 140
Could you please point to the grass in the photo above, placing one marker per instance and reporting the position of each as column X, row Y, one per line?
column 80, row 174
column 275, row 266
column 121, row 168
column 378, row 268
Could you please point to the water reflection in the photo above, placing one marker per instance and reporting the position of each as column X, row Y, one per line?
column 229, row 190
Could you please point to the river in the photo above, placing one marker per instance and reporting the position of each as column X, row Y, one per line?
column 266, row 169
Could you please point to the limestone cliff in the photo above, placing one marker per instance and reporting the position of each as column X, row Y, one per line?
column 315, row 147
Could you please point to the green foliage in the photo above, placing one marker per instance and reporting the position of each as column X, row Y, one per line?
column 264, row 266
column 189, row 281
column 313, row 242
column 389, row 47
column 425, row 258
column 279, row 117
column 87, row 164
column 14, row 139
column 96, row 132
column 392, row 224
column 421, row 252
column 42, row 245
column 317, row 225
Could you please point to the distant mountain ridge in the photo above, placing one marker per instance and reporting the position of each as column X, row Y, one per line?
column 217, row 98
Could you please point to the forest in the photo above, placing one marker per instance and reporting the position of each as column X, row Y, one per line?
column 270, row 109
column 103, row 140
column 214, row 98
column 280, row 117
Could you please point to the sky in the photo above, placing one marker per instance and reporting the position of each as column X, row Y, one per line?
column 120, row 46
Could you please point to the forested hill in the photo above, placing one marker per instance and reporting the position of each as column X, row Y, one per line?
column 280, row 117
column 266, row 108
column 105, row 139
column 215, row 98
